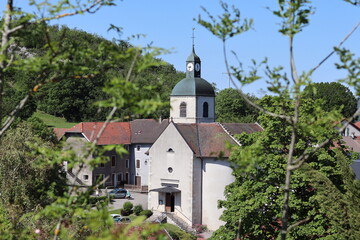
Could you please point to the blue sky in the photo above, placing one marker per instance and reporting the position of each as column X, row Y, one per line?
column 168, row 24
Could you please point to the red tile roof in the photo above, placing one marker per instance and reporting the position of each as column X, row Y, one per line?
column 114, row 133
column 357, row 124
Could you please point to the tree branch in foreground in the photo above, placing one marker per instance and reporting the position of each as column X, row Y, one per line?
column 338, row 46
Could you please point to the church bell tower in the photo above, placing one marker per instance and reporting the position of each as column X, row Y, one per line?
column 192, row 99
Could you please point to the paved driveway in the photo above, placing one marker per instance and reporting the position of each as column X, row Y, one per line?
column 136, row 199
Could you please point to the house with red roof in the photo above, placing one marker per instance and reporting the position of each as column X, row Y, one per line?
column 136, row 136
column 116, row 170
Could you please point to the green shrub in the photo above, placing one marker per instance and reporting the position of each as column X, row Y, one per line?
column 146, row 213
column 138, row 209
column 127, row 206
column 178, row 234
column 127, row 209
column 124, row 212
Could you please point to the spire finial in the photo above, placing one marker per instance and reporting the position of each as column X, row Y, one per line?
column 193, row 39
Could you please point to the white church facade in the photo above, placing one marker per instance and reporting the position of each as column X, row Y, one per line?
column 189, row 165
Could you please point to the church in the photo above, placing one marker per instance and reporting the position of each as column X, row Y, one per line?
column 182, row 162
column 189, row 165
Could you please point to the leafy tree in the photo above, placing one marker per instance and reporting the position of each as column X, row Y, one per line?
column 163, row 78
column 45, row 211
column 74, row 97
column 297, row 153
column 231, row 107
column 333, row 95
column 322, row 186
column 25, row 180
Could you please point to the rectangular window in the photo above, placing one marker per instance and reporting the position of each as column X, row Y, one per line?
column 113, row 160
column 119, row 177
column 138, row 147
column 127, row 177
column 102, row 164
column 138, row 163
column 86, row 177
column 127, row 163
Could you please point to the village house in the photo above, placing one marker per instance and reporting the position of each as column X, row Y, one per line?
column 116, row 171
column 126, row 169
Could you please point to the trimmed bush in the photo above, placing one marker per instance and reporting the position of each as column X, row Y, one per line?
column 124, row 212
column 128, row 206
column 138, row 209
column 127, row 209
column 146, row 213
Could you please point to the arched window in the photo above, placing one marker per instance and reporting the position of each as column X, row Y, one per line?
column 205, row 109
column 183, row 109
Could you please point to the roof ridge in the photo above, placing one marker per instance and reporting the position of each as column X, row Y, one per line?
column 229, row 133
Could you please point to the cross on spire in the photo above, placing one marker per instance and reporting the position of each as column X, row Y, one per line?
column 193, row 37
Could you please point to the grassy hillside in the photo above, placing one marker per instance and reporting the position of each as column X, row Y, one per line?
column 52, row 121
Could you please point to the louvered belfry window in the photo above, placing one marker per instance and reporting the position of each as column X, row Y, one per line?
column 183, row 109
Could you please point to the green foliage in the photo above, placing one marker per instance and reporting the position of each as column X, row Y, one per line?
column 73, row 96
column 228, row 24
column 162, row 78
column 53, row 121
column 231, row 107
column 127, row 209
column 138, row 209
column 51, row 64
column 95, row 200
column 148, row 213
column 332, row 96
column 294, row 15
column 128, row 206
column 349, row 63
column 176, row 233
column 255, row 197
column 290, row 181
column 25, row 180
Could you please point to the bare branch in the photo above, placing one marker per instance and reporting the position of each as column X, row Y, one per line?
column 302, row 158
column 261, row 109
column 296, row 80
column 13, row 114
column 4, row 50
column 294, row 74
column 88, row 9
column 341, row 43
column 10, row 61
column 15, row 29
column 132, row 65
column 298, row 223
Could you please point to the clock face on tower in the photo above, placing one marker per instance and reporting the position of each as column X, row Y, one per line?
column 197, row 67
column 190, row 67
